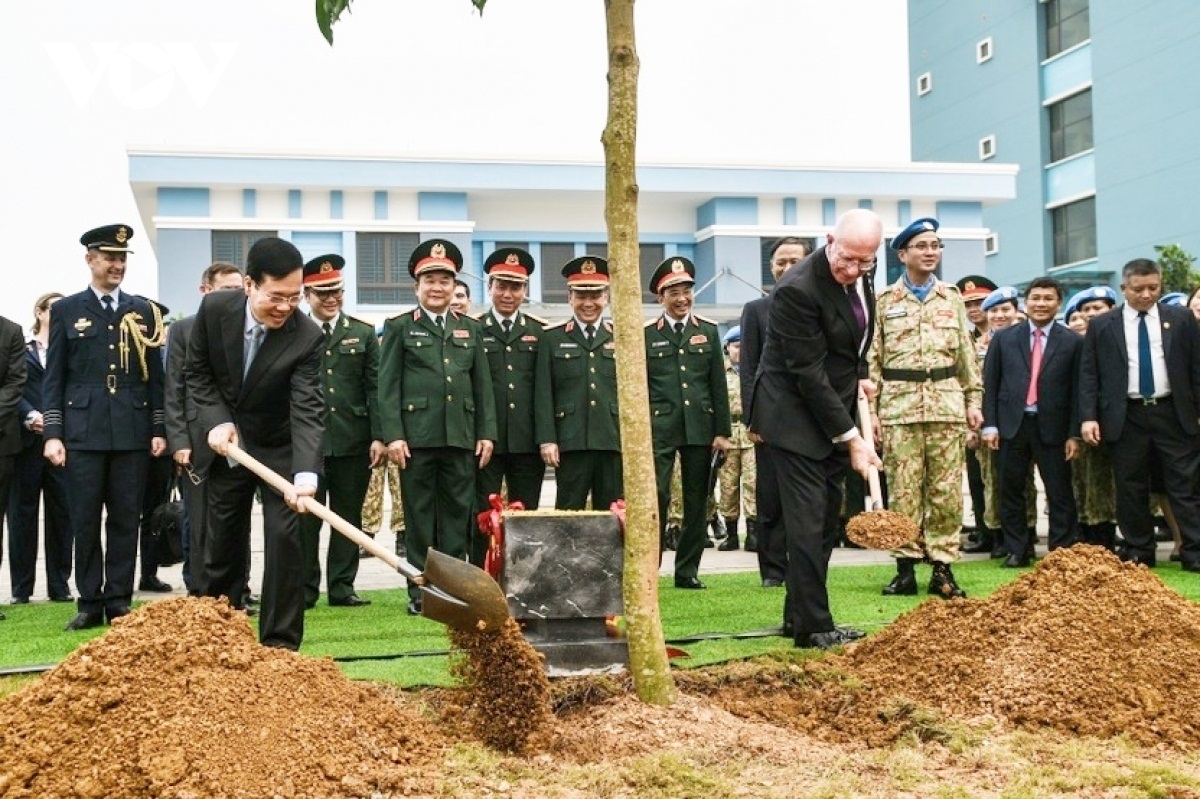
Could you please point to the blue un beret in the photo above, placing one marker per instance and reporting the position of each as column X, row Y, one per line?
column 733, row 334
column 1105, row 293
column 1073, row 305
column 1000, row 295
column 918, row 226
column 1174, row 298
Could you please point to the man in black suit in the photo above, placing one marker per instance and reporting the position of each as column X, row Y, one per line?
column 1030, row 414
column 1139, row 394
column 252, row 370
column 813, row 366
column 766, row 535
column 183, row 428
column 12, row 384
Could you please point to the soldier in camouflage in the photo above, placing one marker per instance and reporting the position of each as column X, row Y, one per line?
column 930, row 393
column 738, row 475
column 1095, row 491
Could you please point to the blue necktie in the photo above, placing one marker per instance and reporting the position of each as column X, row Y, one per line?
column 1145, row 367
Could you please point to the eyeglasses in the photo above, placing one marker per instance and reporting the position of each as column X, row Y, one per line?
column 326, row 294
column 926, row 246
column 279, row 299
column 863, row 265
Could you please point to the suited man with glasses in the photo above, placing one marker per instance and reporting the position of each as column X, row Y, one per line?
column 252, row 370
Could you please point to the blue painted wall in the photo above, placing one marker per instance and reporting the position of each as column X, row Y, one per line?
column 182, row 256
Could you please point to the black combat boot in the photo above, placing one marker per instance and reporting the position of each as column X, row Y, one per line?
column 717, row 527
column 985, row 541
column 751, row 535
column 905, row 581
column 730, row 544
column 942, row 583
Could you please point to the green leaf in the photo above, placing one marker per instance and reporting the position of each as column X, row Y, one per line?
column 328, row 12
column 479, row 4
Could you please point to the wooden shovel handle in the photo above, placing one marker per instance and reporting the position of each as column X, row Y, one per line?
column 868, row 434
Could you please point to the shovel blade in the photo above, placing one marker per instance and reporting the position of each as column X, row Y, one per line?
column 460, row 595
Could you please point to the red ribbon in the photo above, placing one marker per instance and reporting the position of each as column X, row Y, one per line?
column 491, row 524
column 618, row 509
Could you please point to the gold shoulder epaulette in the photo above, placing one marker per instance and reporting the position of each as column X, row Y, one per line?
column 704, row 319
column 557, row 324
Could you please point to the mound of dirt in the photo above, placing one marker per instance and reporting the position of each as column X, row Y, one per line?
column 1084, row 644
column 178, row 700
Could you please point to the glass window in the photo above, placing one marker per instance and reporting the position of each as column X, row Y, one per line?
column 232, row 245
column 1066, row 25
column 1074, row 227
column 383, row 277
column 1071, row 126
column 555, row 256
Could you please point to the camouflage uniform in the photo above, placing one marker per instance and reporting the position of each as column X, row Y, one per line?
column 372, row 517
column 924, row 420
column 738, row 475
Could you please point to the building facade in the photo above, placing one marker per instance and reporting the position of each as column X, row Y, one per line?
column 202, row 207
column 1091, row 99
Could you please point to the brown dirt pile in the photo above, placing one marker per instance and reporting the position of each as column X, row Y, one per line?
column 178, row 700
column 1084, row 644
column 882, row 529
column 507, row 695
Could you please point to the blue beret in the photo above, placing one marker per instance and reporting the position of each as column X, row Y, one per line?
column 1174, row 298
column 1105, row 293
column 1000, row 295
column 733, row 334
column 1073, row 304
column 923, row 225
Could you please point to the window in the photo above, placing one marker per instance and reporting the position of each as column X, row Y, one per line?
column 555, row 256
column 1074, row 226
column 232, row 245
column 383, row 277
column 1071, row 126
column 983, row 50
column 987, row 147
column 1066, row 25
column 924, row 84
column 991, row 244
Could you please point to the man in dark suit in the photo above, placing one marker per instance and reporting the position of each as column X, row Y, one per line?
column 12, row 384
column 1030, row 414
column 689, row 406
column 578, row 424
column 1140, row 395
column 438, row 412
column 103, row 419
column 813, row 366
column 36, row 481
column 184, row 434
column 252, row 370
column 352, row 443
column 767, row 535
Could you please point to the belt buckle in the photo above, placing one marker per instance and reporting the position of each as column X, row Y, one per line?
column 111, row 382
column 1149, row 400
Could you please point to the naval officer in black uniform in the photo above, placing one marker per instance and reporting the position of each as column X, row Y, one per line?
column 104, row 419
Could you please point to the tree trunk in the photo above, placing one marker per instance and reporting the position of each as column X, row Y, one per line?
column 647, row 651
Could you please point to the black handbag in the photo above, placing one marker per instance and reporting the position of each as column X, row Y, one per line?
column 166, row 527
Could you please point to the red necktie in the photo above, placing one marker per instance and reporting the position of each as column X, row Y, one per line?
column 1035, row 368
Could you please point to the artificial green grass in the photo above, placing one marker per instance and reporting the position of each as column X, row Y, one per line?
column 395, row 647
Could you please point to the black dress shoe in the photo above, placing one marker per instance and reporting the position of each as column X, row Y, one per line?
column 901, row 585
column 772, row 582
column 787, row 630
column 826, row 640
column 154, row 584
column 414, row 607
column 351, row 601
column 19, row 600
column 999, row 553
column 63, row 598
column 85, row 621
column 253, row 600
column 690, row 583
column 1015, row 562
column 1190, row 565
column 853, row 633
column 116, row 613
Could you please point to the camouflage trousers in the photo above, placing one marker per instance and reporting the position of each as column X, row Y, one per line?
column 372, row 514
column 1092, row 481
column 925, row 463
column 675, row 509
column 737, row 479
column 989, row 468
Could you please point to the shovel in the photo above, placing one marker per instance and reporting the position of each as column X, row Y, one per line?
column 878, row 528
column 453, row 591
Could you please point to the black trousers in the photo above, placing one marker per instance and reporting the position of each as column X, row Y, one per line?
column 437, row 489
column 1016, row 455
column 230, row 501
column 523, row 472
column 195, row 531
column 158, row 488
column 772, row 545
column 36, row 482
column 111, row 483
column 810, row 491
column 693, row 462
column 977, row 489
column 345, row 485
column 581, row 473
column 1154, row 432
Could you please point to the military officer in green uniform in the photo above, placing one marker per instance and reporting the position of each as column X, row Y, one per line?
column 510, row 340
column 930, row 393
column 352, row 442
column 689, row 406
column 437, row 408
column 576, row 401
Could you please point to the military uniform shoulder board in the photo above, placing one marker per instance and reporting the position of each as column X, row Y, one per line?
column 555, row 325
column 653, row 322
column 537, row 319
column 478, row 317
column 703, row 318
column 354, row 320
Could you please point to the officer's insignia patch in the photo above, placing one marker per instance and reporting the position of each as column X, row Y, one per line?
column 946, row 313
column 460, row 333
column 567, row 345
column 677, row 267
column 660, row 343
column 437, row 251
column 895, row 313
column 83, row 323
column 351, row 341
column 326, row 267
column 699, row 338
column 122, row 235
column 512, row 260
column 529, row 338
column 418, row 333
column 588, row 268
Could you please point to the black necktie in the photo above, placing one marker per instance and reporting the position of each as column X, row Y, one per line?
column 1145, row 366
column 108, row 304
column 437, row 320
column 679, row 328
column 507, row 325
column 328, row 330
column 589, row 331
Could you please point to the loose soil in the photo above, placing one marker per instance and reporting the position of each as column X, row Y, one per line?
column 1081, row 677
column 882, row 529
